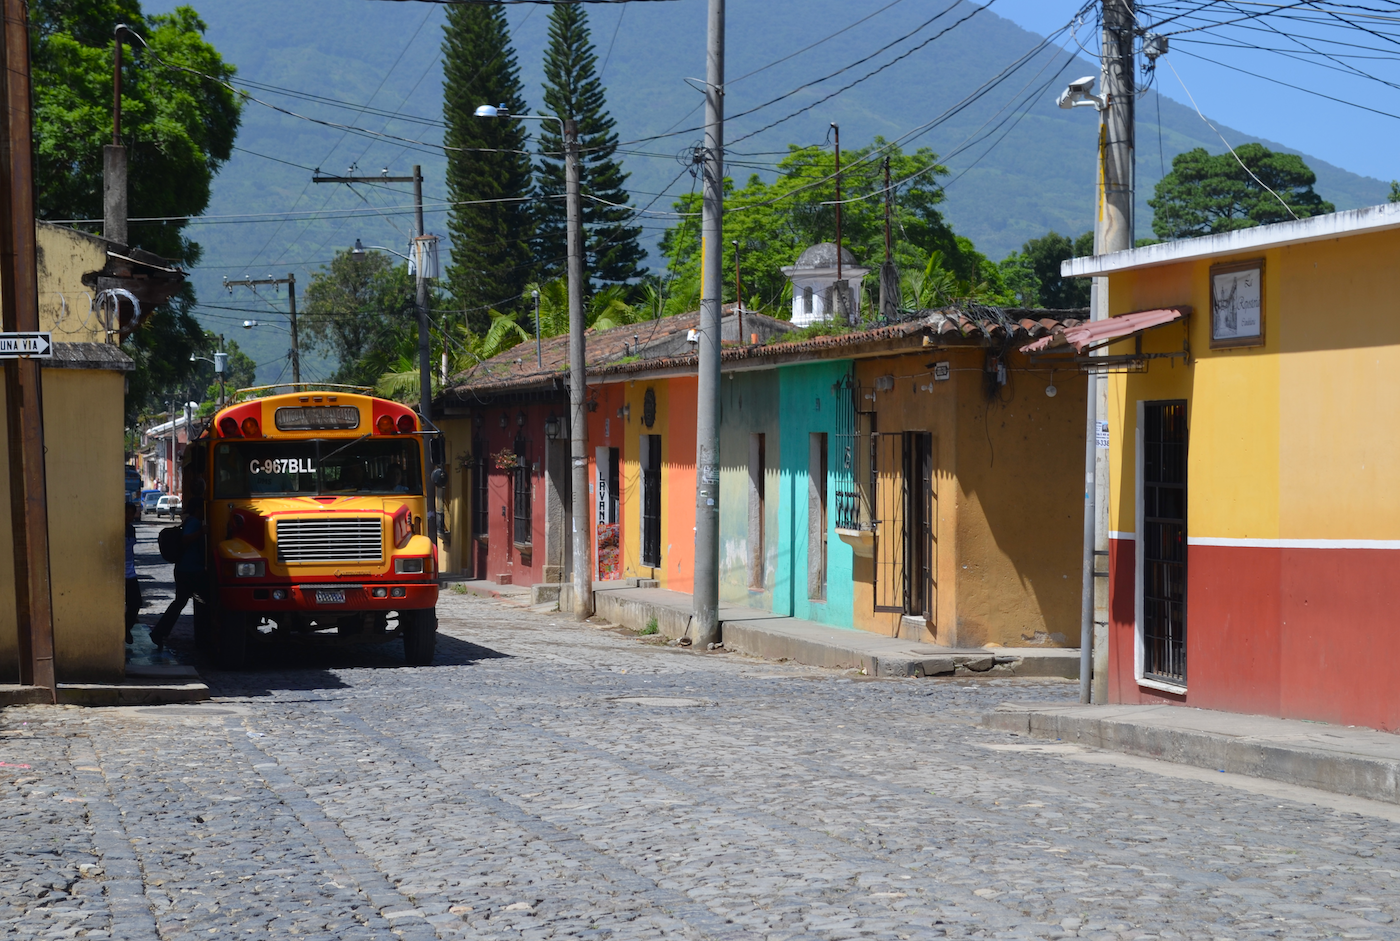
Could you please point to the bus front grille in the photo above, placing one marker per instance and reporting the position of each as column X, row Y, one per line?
column 330, row 540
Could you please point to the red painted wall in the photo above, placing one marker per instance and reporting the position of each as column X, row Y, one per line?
column 1294, row 632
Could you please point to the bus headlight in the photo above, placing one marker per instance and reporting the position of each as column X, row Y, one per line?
column 408, row 566
column 250, row 569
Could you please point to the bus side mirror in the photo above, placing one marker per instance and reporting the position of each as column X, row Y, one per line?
column 435, row 450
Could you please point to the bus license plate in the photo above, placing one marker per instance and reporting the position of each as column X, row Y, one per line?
column 330, row 596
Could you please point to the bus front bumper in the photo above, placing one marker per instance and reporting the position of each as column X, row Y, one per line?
column 326, row 599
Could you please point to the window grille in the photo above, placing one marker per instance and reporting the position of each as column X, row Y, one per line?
column 524, row 491
column 651, row 501
column 1164, row 541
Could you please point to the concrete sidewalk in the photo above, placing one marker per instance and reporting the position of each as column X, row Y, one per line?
column 1342, row 759
column 635, row 605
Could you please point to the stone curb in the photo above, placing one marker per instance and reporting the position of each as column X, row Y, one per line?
column 1368, row 776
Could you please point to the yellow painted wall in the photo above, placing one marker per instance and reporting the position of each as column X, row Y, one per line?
column 65, row 302
column 1297, row 441
column 83, row 441
column 1009, row 474
column 457, row 433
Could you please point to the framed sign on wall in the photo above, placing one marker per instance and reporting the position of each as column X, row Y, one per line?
column 1237, row 304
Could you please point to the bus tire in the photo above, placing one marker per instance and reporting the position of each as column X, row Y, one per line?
column 231, row 640
column 419, row 636
column 205, row 616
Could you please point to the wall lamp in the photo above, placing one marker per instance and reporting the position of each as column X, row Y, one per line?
column 551, row 427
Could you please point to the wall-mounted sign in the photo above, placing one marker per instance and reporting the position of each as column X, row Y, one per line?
column 1237, row 304
column 941, row 372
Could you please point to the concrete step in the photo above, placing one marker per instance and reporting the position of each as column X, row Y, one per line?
column 1341, row 759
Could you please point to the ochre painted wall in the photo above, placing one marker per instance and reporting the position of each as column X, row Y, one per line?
column 83, row 449
column 1293, row 518
column 65, row 303
column 675, row 422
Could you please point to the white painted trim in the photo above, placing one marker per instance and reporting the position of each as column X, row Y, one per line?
column 1164, row 687
column 1292, row 543
column 1115, row 534
column 1139, row 648
column 1254, row 239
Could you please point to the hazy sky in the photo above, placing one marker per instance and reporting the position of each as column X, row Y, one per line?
column 1347, row 136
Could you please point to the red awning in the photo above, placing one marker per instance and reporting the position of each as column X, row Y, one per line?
column 1093, row 332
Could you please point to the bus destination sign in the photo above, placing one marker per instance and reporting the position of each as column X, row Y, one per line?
column 317, row 418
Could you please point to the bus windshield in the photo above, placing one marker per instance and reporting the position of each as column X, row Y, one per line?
column 319, row 466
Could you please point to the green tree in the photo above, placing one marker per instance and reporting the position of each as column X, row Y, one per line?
column 178, row 127
column 1394, row 196
column 612, row 252
column 1032, row 275
column 361, row 310
column 1204, row 194
column 775, row 222
column 486, row 160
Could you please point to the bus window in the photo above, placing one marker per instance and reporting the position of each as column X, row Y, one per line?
column 327, row 466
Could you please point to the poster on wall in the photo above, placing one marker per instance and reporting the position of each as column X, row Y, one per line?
column 1237, row 305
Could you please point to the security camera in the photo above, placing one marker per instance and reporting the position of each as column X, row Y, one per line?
column 1080, row 94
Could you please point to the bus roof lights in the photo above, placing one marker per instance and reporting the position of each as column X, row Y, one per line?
column 228, row 427
column 385, row 425
column 406, row 425
column 251, row 428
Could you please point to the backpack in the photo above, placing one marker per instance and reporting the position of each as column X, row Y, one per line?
column 168, row 542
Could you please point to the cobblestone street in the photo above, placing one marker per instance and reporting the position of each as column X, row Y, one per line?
column 545, row 779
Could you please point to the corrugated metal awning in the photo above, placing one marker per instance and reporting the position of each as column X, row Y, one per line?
column 1091, row 333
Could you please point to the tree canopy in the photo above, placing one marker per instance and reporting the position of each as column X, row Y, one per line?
column 775, row 222
column 361, row 310
column 1032, row 275
column 612, row 252
column 488, row 170
column 1204, row 193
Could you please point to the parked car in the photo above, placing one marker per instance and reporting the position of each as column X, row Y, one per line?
column 168, row 505
column 148, row 501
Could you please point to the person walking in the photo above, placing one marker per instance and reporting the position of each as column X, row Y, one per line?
column 189, row 569
column 133, row 585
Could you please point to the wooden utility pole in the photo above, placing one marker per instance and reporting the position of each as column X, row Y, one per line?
column 19, row 303
column 291, row 282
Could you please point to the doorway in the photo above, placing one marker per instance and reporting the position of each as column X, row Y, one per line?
column 920, row 515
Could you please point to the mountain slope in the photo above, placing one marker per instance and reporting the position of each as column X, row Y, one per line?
column 1038, row 176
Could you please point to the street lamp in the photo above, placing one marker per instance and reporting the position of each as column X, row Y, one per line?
column 220, row 364
column 423, row 263
column 578, row 425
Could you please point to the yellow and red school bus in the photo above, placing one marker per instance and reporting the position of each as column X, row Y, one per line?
column 313, row 509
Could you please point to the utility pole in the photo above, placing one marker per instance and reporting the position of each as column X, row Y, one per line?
column 114, row 209
column 738, row 292
column 705, row 619
column 19, row 310
column 840, row 281
column 291, row 282
column 1113, row 232
column 889, row 277
column 422, row 247
column 578, row 383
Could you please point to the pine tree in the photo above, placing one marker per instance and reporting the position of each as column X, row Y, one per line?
column 612, row 253
column 485, row 160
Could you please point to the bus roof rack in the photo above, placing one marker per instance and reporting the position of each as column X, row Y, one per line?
column 307, row 386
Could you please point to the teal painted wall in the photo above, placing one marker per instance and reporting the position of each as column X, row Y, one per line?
column 748, row 406
column 807, row 405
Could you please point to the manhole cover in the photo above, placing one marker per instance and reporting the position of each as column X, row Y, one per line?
column 671, row 701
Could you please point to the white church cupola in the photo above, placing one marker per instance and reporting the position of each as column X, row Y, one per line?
column 818, row 286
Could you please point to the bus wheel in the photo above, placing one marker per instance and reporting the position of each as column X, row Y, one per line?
column 231, row 642
column 419, row 636
column 204, row 616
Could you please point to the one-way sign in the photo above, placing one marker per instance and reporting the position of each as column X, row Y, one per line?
column 18, row 345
